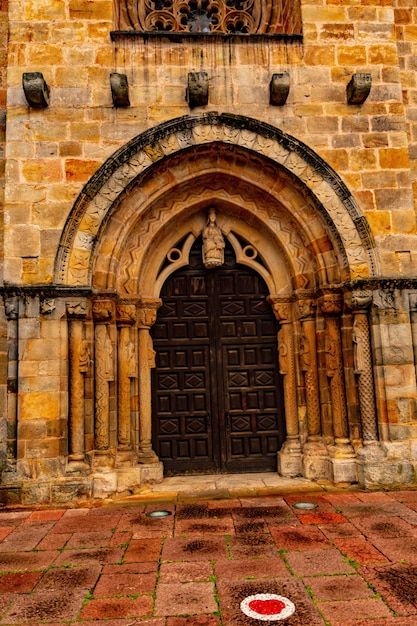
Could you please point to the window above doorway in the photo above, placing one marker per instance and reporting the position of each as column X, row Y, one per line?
column 202, row 17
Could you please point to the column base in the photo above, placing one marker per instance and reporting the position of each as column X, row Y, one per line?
column 371, row 451
column 289, row 463
column 315, row 446
column 344, row 470
column 103, row 460
column 316, row 467
column 381, row 473
column 147, row 456
column 126, row 458
column 77, row 467
column 342, row 449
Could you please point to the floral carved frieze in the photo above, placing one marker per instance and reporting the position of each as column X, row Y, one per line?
column 235, row 17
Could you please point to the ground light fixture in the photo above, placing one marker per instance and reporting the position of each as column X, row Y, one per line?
column 158, row 514
column 305, row 506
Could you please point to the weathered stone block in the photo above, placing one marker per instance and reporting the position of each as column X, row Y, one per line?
column 385, row 473
column 23, row 240
column 72, row 490
column 344, row 471
column 79, row 169
column 152, row 472
column 394, row 158
column 39, row 405
column 104, row 484
column 36, row 492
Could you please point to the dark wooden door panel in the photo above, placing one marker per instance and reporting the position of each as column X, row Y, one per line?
column 217, row 400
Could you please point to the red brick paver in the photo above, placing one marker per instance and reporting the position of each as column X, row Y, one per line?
column 114, row 566
column 106, row 608
column 180, row 599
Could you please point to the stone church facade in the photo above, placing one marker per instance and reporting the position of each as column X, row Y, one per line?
column 209, row 242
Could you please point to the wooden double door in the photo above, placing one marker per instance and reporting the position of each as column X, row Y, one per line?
column 217, row 392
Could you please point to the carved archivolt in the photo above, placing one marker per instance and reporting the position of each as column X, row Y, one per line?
column 272, row 148
column 208, row 16
column 145, row 253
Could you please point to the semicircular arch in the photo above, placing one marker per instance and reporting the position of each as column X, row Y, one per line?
column 132, row 182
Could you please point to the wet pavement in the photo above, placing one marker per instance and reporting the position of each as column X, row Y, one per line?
column 350, row 561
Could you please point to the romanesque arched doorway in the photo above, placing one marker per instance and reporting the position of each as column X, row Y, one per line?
column 133, row 227
column 216, row 392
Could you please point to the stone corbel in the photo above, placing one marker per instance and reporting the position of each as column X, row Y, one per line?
column 119, row 89
column 358, row 88
column 197, row 90
column 36, row 90
column 279, row 88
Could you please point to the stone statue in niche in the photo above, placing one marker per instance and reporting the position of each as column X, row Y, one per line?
column 213, row 242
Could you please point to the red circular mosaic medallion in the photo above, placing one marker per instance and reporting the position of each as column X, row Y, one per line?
column 267, row 607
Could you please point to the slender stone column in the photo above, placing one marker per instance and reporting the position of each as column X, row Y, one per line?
column 147, row 310
column 79, row 359
column 289, row 457
column 309, row 367
column 371, row 449
column 104, row 373
column 11, row 307
column 315, row 461
column 127, row 369
column 331, row 306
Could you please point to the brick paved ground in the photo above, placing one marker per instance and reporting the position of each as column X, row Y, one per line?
column 352, row 561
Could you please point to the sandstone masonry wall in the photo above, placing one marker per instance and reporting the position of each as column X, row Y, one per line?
column 51, row 153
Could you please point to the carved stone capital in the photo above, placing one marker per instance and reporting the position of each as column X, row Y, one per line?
column 385, row 299
column 125, row 314
column 77, row 309
column 11, row 308
column 147, row 310
column 47, row 306
column 306, row 308
column 331, row 304
column 103, row 310
column 281, row 308
column 359, row 300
